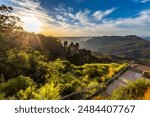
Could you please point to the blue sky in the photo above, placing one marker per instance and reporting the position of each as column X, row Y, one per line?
column 86, row 17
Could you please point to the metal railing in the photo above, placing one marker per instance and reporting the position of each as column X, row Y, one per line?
column 118, row 74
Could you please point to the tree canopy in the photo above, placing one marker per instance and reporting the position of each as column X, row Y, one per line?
column 8, row 22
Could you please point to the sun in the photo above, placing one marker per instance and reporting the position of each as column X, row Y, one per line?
column 31, row 24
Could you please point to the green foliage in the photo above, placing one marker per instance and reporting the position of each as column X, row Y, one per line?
column 67, row 77
column 132, row 91
column 8, row 23
column 27, row 62
column 26, row 94
column 93, row 83
column 2, row 78
column 12, row 86
column 100, row 72
column 47, row 92
column 53, row 79
column 19, row 59
column 60, row 66
column 78, row 73
column 68, row 84
column 2, row 97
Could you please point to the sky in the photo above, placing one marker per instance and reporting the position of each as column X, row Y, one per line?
column 84, row 17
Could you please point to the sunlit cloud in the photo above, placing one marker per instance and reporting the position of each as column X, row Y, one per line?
column 26, row 9
column 64, row 21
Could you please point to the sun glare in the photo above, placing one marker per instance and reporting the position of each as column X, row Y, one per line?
column 31, row 24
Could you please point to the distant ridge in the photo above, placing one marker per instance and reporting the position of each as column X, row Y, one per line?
column 74, row 39
column 124, row 46
column 146, row 38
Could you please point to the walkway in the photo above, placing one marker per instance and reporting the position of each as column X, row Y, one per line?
column 127, row 77
column 124, row 79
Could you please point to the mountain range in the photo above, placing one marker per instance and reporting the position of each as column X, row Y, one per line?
column 146, row 38
column 74, row 39
column 121, row 46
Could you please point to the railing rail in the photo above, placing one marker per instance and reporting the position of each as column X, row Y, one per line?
column 118, row 74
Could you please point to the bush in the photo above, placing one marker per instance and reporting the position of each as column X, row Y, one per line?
column 2, row 97
column 12, row 86
column 26, row 94
column 27, row 62
column 78, row 73
column 47, row 92
column 132, row 91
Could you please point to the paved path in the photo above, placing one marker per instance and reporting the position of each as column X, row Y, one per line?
column 129, row 76
column 141, row 67
column 124, row 79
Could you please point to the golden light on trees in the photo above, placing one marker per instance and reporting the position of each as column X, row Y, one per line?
column 147, row 94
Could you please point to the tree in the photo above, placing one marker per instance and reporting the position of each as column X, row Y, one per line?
column 66, row 47
column 12, row 86
column 77, row 47
column 27, row 62
column 8, row 23
column 65, row 44
column 2, row 78
column 71, row 49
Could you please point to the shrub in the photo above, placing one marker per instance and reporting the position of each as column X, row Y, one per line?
column 78, row 73
column 132, row 91
column 2, row 97
column 27, row 93
column 27, row 62
column 12, row 86
column 47, row 92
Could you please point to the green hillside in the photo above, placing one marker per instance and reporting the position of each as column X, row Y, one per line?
column 27, row 74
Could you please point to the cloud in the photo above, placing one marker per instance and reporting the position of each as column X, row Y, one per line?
column 33, row 9
column 86, row 23
column 83, row 17
column 138, row 25
column 101, row 14
column 142, row 1
column 66, row 22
